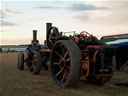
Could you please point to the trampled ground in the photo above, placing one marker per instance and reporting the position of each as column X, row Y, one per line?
column 22, row 83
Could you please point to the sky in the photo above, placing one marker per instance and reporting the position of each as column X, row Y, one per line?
column 98, row 17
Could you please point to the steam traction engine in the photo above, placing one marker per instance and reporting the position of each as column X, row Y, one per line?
column 71, row 57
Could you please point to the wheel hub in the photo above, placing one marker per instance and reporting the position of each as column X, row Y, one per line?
column 62, row 62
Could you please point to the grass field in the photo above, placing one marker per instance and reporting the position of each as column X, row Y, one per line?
column 22, row 83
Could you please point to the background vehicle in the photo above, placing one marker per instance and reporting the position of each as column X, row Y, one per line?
column 120, row 42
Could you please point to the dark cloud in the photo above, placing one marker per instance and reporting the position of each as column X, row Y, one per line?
column 6, row 23
column 84, row 7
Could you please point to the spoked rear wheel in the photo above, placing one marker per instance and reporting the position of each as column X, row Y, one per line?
column 65, row 63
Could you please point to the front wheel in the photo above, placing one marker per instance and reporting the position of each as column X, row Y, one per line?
column 65, row 63
column 20, row 63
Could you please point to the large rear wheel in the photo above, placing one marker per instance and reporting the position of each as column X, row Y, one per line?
column 65, row 63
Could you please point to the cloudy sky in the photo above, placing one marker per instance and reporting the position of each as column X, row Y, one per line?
column 98, row 17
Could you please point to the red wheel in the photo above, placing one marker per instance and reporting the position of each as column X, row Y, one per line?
column 65, row 63
column 86, row 36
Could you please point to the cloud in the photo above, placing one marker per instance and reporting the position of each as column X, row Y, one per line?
column 82, row 17
column 6, row 23
column 84, row 7
column 5, row 14
column 73, row 7
column 116, row 15
column 48, row 7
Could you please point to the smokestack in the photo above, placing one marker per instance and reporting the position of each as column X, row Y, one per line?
column 34, row 35
column 48, row 26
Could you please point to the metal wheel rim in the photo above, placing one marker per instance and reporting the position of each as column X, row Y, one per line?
column 61, row 63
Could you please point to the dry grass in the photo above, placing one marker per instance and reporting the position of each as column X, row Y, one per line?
column 22, row 83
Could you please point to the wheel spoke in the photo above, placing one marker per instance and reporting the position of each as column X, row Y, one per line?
column 63, row 76
column 59, row 72
column 58, row 54
column 65, row 54
column 68, row 67
column 56, row 63
column 67, row 59
column 62, row 51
